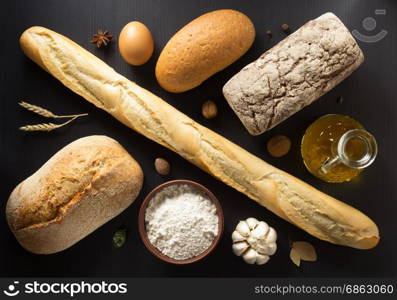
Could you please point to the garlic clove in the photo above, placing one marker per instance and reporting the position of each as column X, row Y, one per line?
column 243, row 228
column 239, row 248
column 262, row 259
column 262, row 247
column 272, row 248
column 253, row 242
column 252, row 222
column 260, row 231
column 250, row 256
column 237, row 237
column 271, row 236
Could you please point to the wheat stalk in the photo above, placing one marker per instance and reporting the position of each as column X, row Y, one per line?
column 45, row 112
column 45, row 126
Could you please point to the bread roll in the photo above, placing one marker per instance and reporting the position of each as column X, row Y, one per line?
column 202, row 48
column 294, row 73
column 81, row 187
column 283, row 194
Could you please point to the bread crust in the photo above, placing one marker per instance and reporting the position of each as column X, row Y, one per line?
column 283, row 194
column 293, row 74
column 205, row 46
column 81, row 187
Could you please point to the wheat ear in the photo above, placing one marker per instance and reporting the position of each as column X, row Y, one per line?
column 45, row 126
column 45, row 112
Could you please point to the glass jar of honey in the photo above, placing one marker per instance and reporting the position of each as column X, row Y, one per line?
column 336, row 148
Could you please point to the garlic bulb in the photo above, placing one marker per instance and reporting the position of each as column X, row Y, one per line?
column 255, row 241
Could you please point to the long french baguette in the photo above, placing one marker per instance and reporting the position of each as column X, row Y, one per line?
column 283, row 194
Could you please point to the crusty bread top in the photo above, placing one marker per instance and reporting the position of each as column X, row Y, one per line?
column 205, row 46
column 283, row 194
column 57, row 186
column 294, row 73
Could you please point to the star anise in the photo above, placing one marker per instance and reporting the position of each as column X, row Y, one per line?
column 102, row 37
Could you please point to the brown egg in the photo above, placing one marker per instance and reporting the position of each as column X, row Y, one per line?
column 136, row 43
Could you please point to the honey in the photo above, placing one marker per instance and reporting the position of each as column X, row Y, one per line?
column 336, row 148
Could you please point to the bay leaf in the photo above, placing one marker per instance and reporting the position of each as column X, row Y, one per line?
column 295, row 257
column 305, row 250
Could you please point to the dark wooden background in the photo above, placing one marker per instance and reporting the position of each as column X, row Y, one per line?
column 370, row 96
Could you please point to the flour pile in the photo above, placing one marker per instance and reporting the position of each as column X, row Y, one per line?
column 181, row 221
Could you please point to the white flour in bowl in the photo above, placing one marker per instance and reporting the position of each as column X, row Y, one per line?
column 181, row 221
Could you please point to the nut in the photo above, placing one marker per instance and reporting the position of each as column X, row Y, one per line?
column 279, row 145
column 285, row 28
column 209, row 109
column 162, row 166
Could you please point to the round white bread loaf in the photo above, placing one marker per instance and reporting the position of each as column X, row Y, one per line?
column 205, row 46
column 81, row 187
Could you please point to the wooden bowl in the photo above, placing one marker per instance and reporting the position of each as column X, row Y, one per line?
column 142, row 224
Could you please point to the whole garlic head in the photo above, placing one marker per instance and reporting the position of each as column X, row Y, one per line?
column 255, row 241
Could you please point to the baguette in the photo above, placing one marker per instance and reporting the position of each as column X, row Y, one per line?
column 84, row 185
column 293, row 200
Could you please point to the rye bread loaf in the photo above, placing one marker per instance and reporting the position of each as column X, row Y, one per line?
column 293, row 74
column 80, row 188
column 205, row 46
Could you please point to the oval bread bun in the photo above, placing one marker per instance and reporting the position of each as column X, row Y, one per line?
column 202, row 48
